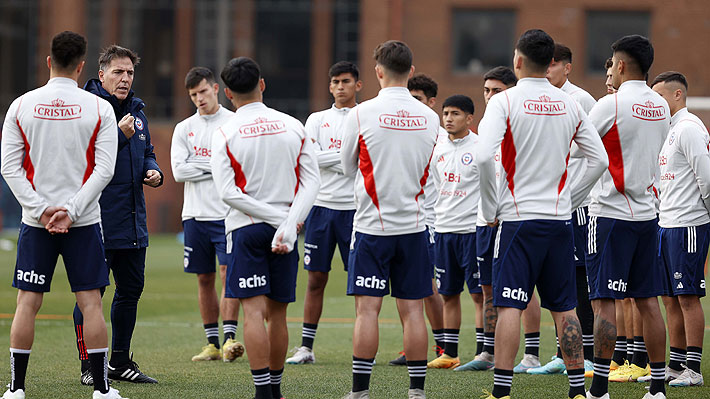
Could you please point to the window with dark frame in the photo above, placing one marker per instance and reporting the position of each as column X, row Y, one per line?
column 605, row 27
column 482, row 39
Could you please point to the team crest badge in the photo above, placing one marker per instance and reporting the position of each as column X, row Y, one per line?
column 671, row 138
column 141, row 137
column 307, row 259
column 139, row 123
column 467, row 158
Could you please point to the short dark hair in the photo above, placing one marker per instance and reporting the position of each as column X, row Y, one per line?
column 671, row 76
column 538, row 47
column 115, row 51
column 504, row 74
column 394, row 56
column 196, row 75
column 638, row 48
column 241, row 75
column 464, row 103
column 424, row 83
column 562, row 53
column 608, row 63
column 68, row 49
column 342, row 67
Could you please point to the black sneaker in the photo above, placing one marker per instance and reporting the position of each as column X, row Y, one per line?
column 87, row 378
column 400, row 361
column 129, row 372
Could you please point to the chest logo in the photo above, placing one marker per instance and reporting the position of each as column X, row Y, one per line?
column 467, row 158
column 57, row 111
column 648, row 111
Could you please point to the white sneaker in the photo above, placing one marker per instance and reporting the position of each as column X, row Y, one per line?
column 590, row 396
column 19, row 394
column 688, row 378
column 658, row 395
column 302, row 355
column 358, row 395
column 111, row 394
column 671, row 374
column 416, row 394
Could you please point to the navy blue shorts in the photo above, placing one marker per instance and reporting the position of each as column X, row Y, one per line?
column 82, row 250
column 622, row 259
column 324, row 228
column 203, row 241
column 535, row 253
column 400, row 260
column 254, row 270
column 455, row 259
column 485, row 242
column 580, row 219
column 682, row 252
column 431, row 250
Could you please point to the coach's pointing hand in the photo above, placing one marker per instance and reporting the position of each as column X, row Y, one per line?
column 126, row 125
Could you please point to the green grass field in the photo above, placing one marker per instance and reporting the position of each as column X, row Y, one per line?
column 169, row 332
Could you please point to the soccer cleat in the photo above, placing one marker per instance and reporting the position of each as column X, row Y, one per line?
column 588, row 369
column 688, row 378
column 129, row 372
column 231, row 350
column 19, row 394
column 555, row 366
column 627, row 374
column 484, row 361
column 444, row 362
column 658, row 395
column 488, row 395
column 529, row 362
column 358, row 395
column 416, row 394
column 302, row 355
column 590, row 396
column 111, row 394
column 400, row 361
column 578, row 397
column 671, row 374
column 209, row 352
column 614, row 365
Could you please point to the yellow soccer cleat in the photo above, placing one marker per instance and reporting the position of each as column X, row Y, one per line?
column 209, row 352
column 578, row 397
column 614, row 365
column 488, row 395
column 444, row 362
column 627, row 374
column 231, row 350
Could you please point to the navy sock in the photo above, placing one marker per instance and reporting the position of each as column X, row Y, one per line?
column 620, row 350
column 308, row 334
column 212, row 333
column 694, row 356
column 451, row 342
column 640, row 357
column 99, row 368
column 489, row 342
column 276, row 376
column 229, row 328
column 658, row 377
column 600, row 382
column 262, row 383
column 677, row 359
column 576, row 382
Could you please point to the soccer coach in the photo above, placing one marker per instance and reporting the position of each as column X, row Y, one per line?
column 123, row 214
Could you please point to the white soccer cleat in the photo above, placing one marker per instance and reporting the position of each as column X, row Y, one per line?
column 670, row 375
column 416, row 394
column 688, row 378
column 529, row 362
column 658, row 395
column 358, row 395
column 111, row 394
column 302, row 355
column 590, row 396
column 19, row 394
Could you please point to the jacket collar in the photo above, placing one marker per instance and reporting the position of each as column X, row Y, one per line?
column 131, row 102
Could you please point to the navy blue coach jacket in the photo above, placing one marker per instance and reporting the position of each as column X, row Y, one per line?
column 123, row 215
